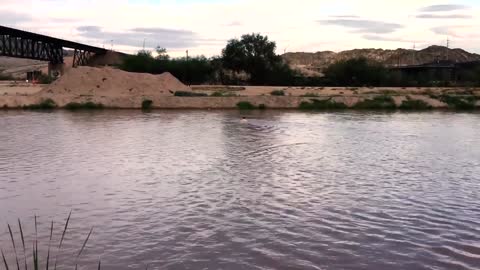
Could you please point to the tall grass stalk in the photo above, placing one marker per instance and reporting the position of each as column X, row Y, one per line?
column 61, row 239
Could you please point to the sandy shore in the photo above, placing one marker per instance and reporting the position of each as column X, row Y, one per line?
column 20, row 95
column 118, row 89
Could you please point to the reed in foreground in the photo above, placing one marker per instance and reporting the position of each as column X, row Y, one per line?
column 35, row 255
column 35, row 260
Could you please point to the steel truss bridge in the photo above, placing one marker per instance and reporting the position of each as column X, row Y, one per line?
column 23, row 44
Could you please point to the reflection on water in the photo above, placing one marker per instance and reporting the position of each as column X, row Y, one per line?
column 287, row 190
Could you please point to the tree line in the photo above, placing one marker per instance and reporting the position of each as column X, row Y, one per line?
column 252, row 60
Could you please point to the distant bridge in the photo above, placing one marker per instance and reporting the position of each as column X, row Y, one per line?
column 23, row 44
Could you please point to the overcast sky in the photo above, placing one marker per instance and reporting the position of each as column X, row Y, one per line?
column 204, row 26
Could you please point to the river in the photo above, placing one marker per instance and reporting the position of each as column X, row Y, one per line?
column 286, row 190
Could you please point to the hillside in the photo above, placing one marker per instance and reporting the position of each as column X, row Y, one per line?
column 315, row 62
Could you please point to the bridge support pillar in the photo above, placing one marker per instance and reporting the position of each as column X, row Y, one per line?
column 56, row 70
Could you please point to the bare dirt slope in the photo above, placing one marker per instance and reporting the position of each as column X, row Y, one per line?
column 321, row 60
column 104, row 84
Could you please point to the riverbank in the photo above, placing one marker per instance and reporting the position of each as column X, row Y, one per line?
column 113, row 88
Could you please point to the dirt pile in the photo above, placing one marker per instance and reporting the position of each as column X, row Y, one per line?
column 110, row 87
column 109, row 82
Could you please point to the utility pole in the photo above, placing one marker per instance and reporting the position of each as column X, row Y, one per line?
column 414, row 52
column 186, row 73
column 448, row 47
column 144, row 44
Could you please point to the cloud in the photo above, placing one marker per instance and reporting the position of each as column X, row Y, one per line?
column 88, row 28
column 10, row 18
column 169, row 38
column 364, row 26
column 382, row 38
column 452, row 31
column 234, row 23
column 440, row 8
column 345, row 16
column 446, row 16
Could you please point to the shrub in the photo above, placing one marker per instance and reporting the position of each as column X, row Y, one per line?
column 47, row 104
column 147, row 104
column 262, row 106
column 45, row 79
column 277, row 93
column 189, row 94
column 410, row 104
column 356, row 72
column 6, row 77
column 74, row 106
column 245, row 105
column 327, row 104
column 223, row 94
column 459, row 103
column 383, row 102
column 309, row 95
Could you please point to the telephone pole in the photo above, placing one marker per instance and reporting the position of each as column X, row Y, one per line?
column 448, row 47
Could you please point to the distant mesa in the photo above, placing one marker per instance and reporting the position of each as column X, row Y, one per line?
column 314, row 63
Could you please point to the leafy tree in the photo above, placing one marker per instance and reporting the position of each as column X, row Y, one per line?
column 196, row 70
column 357, row 72
column 161, row 53
column 253, row 54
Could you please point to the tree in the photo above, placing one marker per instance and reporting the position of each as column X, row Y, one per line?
column 253, row 54
column 161, row 53
column 356, row 72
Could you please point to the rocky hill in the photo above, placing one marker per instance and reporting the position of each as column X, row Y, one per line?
column 316, row 62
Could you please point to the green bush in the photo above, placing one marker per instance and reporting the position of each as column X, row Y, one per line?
column 459, row 103
column 262, row 106
column 6, row 77
column 277, row 93
column 356, row 72
column 310, row 95
column 410, row 104
column 383, row 102
column 45, row 79
column 74, row 106
column 147, row 104
column 223, row 94
column 245, row 105
column 189, row 94
column 327, row 104
column 195, row 70
column 47, row 104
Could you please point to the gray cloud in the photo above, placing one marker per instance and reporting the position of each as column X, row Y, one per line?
column 345, row 16
column 446, row 16
column 168, row 38
column 234, row 23
column 364, row 26
column 9, row 18
column 446, row 30
column 440, row 8
column 90, row 29
column 381, row 38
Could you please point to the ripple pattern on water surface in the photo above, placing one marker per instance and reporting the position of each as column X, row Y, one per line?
column 201, row 190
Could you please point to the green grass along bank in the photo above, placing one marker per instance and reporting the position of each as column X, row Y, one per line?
column 357, row 102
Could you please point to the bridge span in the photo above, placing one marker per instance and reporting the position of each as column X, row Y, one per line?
column 22, row 44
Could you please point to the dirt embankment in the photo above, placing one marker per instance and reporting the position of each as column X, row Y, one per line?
column 111, row 87
column 119, row 89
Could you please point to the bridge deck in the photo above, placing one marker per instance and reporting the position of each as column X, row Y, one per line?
column 47, row 39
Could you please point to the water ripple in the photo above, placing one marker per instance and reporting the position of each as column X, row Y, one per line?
column 202, row 190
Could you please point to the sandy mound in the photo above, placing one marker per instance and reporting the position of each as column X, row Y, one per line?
column 109, row 82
